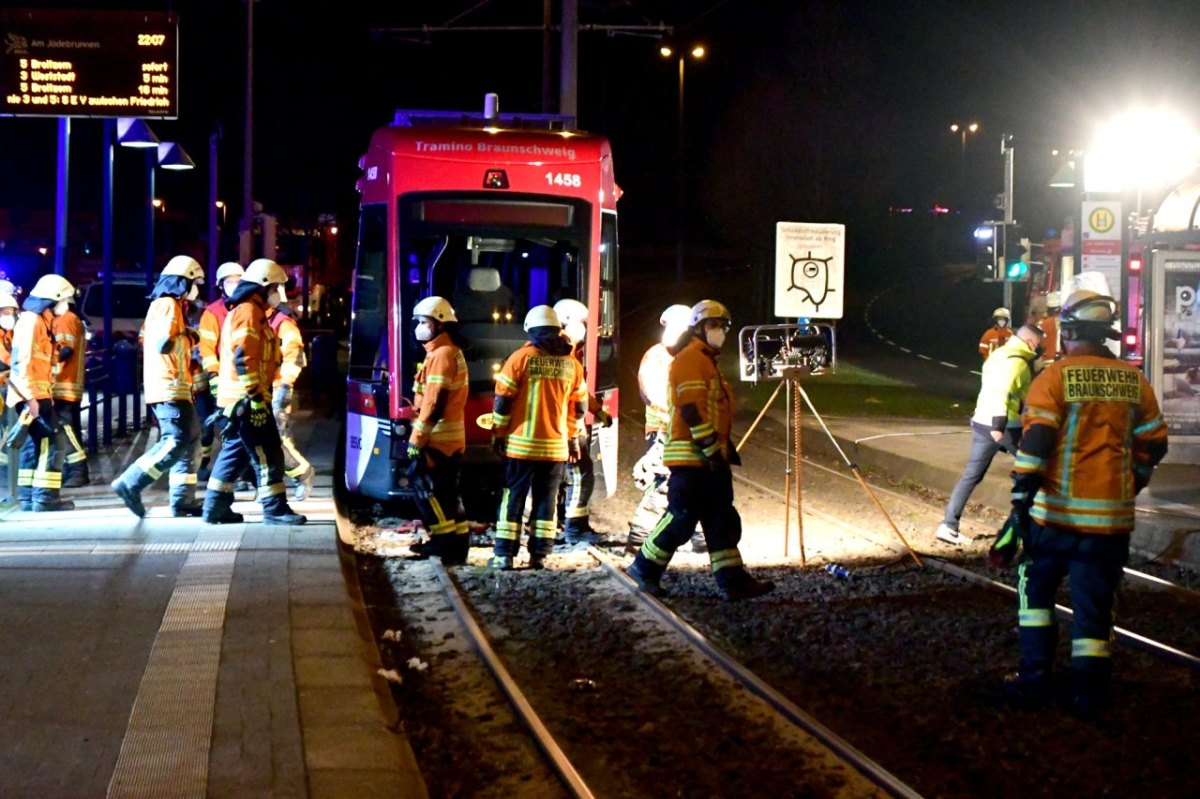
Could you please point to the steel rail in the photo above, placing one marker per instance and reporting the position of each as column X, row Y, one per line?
column 1167, row 585
column 1127, row 637
column 871, row 770
column 545, row 740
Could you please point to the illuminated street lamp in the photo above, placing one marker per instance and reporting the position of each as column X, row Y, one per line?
column 697, row 52
column 963, row 130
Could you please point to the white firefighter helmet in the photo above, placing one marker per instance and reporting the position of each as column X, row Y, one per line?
column 8, row 301
column 1088, row 315
column 9, row 288
column 570, row 311
column 265, row 272
column 1054, row 300
column 53, row 287
column 541, row 316
column 229, row 269
column 708, row 309
column 436, row 308
column 1002, row 313
column 676, row 316
column 184, row 266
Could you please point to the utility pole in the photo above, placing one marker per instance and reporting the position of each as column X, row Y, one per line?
column 568, row 71
column 1006, row 148
column 246, row 243
column 547, row 55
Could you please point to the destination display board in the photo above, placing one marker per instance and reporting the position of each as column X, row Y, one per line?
column 89, row 64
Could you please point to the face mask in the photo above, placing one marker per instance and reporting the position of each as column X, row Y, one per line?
column 8, row 322
column 1001, row 323
column 229, row 285
column 61, row 308
column 715, row 337
column 424, row 331
column 273, row 299
column 193, row 293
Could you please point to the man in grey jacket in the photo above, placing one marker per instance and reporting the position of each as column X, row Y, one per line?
column 996, row 423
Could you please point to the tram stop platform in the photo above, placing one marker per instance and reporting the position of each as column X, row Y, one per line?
column 168, row 658
column 932, row 455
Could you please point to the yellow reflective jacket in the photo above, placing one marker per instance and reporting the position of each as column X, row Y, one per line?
column 541, row 400
column 440, row 398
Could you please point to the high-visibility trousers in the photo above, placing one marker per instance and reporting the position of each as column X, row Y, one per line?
column 522, row 477
column 39, row 468
column 174, row 454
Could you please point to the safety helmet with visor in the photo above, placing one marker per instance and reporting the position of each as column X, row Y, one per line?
column 436, row 308
column 675, row 320
column 707, row 311
column 265, row 272
column 541, row 316
column 1087, row 315
column 573, row 315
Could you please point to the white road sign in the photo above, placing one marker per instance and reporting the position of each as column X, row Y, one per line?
column 809, row 269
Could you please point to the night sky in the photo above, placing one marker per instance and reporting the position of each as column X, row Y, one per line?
column 806, row 110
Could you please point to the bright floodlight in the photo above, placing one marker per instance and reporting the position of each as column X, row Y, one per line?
column 698, row 51
column 973, row 127
column 666, row 51
column 1141, row 148
column 984, row 232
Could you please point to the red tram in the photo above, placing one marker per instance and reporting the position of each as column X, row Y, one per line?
column 497, row 214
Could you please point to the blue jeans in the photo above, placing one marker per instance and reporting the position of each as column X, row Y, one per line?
column 983, row 450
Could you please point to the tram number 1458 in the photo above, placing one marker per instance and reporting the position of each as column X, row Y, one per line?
column 563, row 179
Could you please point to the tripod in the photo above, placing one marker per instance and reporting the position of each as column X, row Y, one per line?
column 791, row 379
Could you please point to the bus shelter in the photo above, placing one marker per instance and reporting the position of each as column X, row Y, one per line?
column 1171, row 316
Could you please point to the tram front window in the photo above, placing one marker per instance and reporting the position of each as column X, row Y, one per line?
column 492, row 277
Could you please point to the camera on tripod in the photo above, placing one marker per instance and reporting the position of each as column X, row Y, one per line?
column 767, row 352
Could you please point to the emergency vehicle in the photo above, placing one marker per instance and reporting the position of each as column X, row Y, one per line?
column 498, row 214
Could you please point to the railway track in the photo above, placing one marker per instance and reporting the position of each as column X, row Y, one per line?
column 1128, row 637
column 706, row 700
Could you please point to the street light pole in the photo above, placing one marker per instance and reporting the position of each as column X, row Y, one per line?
column 696, row 52
column 679, row 183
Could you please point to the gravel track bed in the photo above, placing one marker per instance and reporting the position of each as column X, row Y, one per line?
column 903, row 664
column 461, row 727
column 654, row 718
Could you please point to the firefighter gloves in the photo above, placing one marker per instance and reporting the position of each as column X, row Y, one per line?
column 1012, row 534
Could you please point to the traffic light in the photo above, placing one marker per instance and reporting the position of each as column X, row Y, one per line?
column 985, row 254
column 1016, row 254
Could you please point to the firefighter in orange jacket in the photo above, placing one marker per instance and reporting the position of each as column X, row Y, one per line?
column 39, row 476
column 1093, row 435
column 167, row 377
column 580, row 482
column 244, row 395
column 1049, row 326
column 537, row 420
column 67, row 390
column 289, row 363
column 8, row 320
column 439, row 434
column 994, row 337
column 229, row 274
column 650, row 473
column 699, row 454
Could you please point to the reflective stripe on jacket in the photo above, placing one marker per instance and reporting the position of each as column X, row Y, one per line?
column 289, row 359
column 1005, row 382
column 440, row 397
column 701, row 407
column 1093, row 434
column 247, row 353
column 540, row 401
column 211, row 322
column 654, row 372
column 993, row 339
column 167, row 377
column 5, row 355
column 71, row 375
column 32, row 357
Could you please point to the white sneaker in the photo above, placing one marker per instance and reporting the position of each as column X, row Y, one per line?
column 951, row 536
